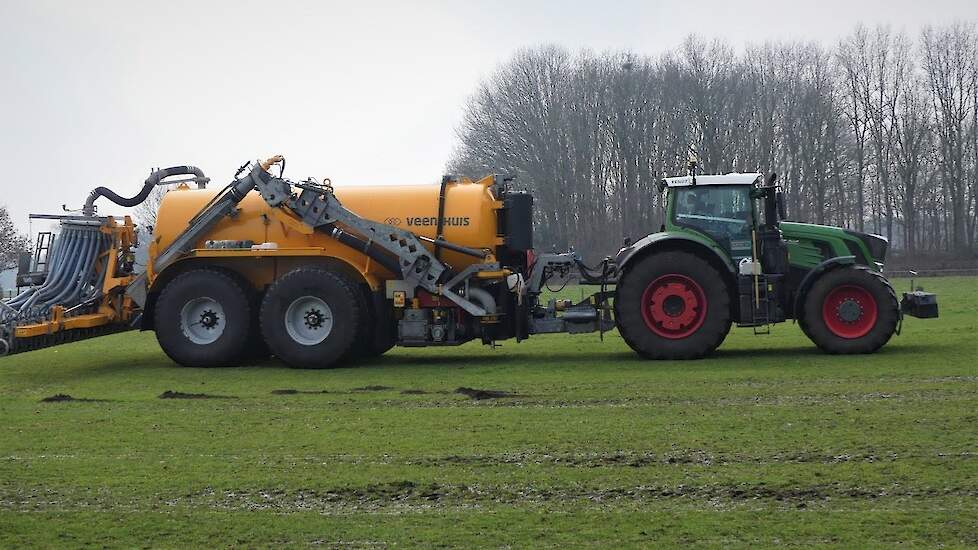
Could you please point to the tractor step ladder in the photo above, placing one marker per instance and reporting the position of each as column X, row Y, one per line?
column 762, row 306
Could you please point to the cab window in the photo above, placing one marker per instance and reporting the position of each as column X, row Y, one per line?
column 722, row 212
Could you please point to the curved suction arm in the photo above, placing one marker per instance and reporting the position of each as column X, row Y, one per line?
column 152, row 181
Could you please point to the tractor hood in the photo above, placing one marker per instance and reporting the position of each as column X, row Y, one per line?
column 867, row 248
column 877, row 244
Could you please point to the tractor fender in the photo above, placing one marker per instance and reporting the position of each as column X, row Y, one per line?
column 670, row 239
column 813, row 275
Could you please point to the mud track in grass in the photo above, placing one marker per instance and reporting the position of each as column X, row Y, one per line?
column 65, row 398
column 408, row 495
column 169, row 394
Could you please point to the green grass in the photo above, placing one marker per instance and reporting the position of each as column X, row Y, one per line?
column 768, row 442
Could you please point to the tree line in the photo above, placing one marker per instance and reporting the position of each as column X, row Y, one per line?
column 878, row 132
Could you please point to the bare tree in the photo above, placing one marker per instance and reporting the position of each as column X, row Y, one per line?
column 145, row 212
column 949, row 59
column 882, row 82
column 912, row 132
column 852, row 57
column 712, row 85
column 12, row 243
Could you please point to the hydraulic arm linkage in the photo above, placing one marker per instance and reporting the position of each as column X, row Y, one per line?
column 400, row 251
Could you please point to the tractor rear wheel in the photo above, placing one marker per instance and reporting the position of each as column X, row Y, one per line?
column 850, row 310
column 203, row 318
column 672, row 305
column 310, row 318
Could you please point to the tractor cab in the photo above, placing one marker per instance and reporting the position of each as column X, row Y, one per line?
column 722, row 208
column 738, row 215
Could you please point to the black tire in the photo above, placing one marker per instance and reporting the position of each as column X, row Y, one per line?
column 376, row 334
column 257, row 349
column 329, row 332
column 855, row 330
column 648, row 333
column 188, row 343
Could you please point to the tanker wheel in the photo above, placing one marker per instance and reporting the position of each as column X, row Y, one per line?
column 203, row 318
column 850, row 310
column 672, row 305
column 256, row 350
column 376, row 334
column 310, row 318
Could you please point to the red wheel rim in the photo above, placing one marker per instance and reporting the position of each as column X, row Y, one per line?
column 674, row 306
column 849, row 311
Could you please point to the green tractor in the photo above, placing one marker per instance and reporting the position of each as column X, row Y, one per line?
column 726, row 255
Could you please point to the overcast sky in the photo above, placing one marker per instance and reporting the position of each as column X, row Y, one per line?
column 97, row 93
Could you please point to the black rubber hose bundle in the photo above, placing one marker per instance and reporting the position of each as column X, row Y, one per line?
column 152, row 181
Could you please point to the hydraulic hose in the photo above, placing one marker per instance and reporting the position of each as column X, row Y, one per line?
column 80, row 275
column 72, row 270
column 152, row 181
column 371, row 250
column 484, row 298
column 68, row 246
column 72, row 275
column 61, row 271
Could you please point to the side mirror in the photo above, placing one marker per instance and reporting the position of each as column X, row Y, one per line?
column 782, row 209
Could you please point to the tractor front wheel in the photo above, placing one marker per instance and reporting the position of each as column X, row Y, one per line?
column 672, row 305
column 850, row 310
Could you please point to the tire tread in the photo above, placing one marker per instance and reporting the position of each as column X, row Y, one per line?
column 809, row 320
column 632, row 327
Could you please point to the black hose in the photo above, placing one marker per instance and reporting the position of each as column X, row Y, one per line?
column 591, row 276
column 152, row 181
column 369, row 249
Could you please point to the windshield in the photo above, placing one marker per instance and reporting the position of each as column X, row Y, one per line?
column 723, row 212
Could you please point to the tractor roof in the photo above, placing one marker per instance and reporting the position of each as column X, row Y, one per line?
column 734, row 178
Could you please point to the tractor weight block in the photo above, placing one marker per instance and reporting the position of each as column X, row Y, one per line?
column 920, row 304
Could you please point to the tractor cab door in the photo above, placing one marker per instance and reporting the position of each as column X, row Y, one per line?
column 725, row 213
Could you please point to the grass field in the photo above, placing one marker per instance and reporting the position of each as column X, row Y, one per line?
column 768, row 442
